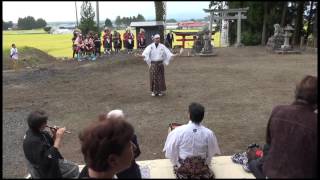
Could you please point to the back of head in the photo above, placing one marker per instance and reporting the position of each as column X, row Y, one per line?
column 196, row 111
column 36, row 119
column 103, row 138
column 307, row 90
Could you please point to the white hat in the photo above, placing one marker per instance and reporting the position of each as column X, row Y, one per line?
column 156, row 36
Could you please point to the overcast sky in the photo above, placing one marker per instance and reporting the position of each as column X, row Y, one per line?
column 53, row 11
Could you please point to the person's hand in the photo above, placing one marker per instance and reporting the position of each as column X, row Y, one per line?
column 60, row 132
column 53, row 131
column 58, row 137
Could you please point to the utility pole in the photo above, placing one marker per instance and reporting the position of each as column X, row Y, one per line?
column 76, row 13
column 97, row 8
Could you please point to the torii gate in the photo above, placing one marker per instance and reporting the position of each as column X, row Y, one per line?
column 225, row 16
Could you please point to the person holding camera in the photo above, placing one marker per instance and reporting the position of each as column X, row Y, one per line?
column 291, row 138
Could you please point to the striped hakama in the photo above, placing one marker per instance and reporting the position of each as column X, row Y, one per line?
column 157, row 80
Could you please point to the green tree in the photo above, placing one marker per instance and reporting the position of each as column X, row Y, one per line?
column 6, row 25
column 217, row 5
column 47, row 29
column 108, row 23
column 140, row 18
column 87, row 22
column 298, row 30
column 252, row 27
column 118, row 21
column 27, row 23
column 171, row 20
column 40, row 23
column 265, row 18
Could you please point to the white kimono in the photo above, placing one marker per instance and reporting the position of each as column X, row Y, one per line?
column 160, row 53
column 191, row 140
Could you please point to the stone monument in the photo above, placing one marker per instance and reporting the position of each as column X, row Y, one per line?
column 277, row 39
column 207, row 47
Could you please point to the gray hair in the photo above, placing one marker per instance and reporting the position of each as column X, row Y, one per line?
column 116, row 113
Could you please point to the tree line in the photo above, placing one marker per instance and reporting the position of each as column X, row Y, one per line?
column 262, row 15
column 87, row 21
column 25, row 23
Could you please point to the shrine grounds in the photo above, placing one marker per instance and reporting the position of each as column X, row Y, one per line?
column 239, row 88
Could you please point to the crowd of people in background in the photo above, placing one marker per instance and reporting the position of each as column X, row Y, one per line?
column 89, row 46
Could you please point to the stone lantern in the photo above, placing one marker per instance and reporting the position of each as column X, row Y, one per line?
column 287, row 34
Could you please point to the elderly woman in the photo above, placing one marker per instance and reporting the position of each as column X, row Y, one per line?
column 292, row 137
column 133, row 171
column 107, row 147
column 141, row 40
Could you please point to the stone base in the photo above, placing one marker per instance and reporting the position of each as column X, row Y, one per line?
column 287, row 51
column 207, row 55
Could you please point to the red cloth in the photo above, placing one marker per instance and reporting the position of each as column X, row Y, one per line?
column 259, row 153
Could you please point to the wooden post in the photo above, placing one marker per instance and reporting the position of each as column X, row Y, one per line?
column 239, row 30
column 76, row 13
column 301, row 42
column 97, row 9
column 210, row 26
column 183, row 40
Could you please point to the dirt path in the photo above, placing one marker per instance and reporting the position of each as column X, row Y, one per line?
column 238, row 87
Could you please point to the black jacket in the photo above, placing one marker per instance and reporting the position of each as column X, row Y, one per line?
column 40, row 152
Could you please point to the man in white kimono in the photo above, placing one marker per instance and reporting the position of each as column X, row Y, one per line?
column 190, row 147
column 155, row 55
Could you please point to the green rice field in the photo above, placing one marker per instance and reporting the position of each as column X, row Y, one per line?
column 59, row 45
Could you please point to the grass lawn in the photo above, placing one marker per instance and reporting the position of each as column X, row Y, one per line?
column 59, row 45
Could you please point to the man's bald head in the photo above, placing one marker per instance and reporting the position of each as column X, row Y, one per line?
column 114, row 114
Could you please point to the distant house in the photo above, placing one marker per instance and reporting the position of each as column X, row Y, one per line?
column 191, row 25
column 151, row 28
column 14, row 26
column 171, row 25
column 61, row 31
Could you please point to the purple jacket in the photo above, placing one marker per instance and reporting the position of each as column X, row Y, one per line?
column 292, row 136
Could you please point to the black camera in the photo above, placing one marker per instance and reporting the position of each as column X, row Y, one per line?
column 254, row 145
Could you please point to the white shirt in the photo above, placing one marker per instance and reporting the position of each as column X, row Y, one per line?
column 160, row 53
column 14, row 53
column 191, row 140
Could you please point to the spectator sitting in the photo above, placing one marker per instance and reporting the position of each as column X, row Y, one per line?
column 292, row 137
column 133, row 171
column 107, row 147
column 191, row 147
column 42, row 151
